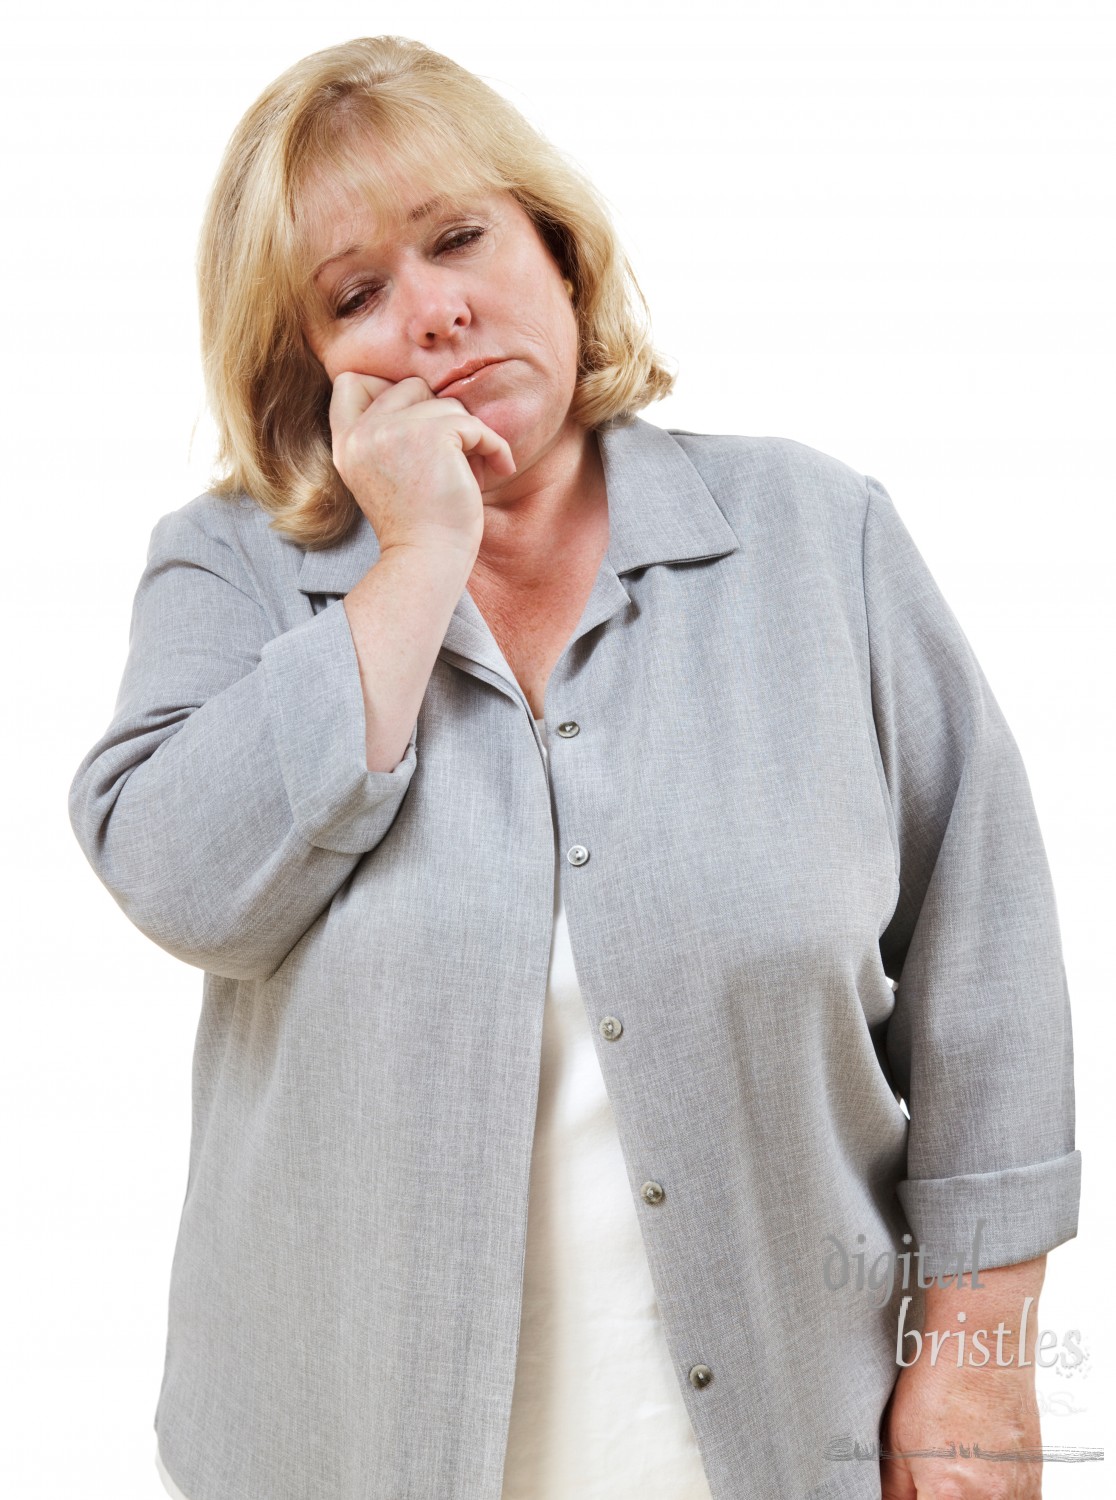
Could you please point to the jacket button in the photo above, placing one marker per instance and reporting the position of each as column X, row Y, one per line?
column 651, row 1192
column 578, row 854
column 610, row 1028
column 568, row 729
column 700, row 1376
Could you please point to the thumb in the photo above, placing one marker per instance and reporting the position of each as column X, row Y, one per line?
column 353, row 394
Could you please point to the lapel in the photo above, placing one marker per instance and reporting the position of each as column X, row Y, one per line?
column 659, row 511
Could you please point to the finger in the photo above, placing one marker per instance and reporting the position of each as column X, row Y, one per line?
column 412, row 390
column 353, row 393
column 478, row 440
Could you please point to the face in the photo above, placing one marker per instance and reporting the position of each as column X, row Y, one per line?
column 468, row 281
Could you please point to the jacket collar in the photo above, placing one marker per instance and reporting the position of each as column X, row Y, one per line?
column 659, row 511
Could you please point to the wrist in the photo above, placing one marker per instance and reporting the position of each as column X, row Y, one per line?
column 439, row 548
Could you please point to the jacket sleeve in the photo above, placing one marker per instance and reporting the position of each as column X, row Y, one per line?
column 979, row 1041
column 230, row 798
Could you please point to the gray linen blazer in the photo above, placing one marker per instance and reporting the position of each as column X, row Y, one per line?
column 804, row 882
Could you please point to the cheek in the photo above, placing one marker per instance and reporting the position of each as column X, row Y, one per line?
column 349, row 350
column 338, row 355
column 322, row 348
column 556, row 322
column 568, row 325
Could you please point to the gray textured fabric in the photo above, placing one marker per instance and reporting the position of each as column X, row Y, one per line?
column 795, row 787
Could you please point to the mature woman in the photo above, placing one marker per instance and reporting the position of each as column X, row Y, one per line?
column 575, row 815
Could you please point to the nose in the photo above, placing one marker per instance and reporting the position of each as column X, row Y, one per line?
column 436, row 305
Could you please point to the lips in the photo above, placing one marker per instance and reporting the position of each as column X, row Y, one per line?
column 462, row 372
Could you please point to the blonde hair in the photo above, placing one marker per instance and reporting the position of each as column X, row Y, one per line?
column 436, row 126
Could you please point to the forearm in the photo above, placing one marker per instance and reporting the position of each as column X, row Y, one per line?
column 398, row 614
column 224, row 832
column 969, row 1394
column 1002, row 1306
column 229, row 797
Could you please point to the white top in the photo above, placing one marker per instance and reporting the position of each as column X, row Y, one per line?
column 597, row 1410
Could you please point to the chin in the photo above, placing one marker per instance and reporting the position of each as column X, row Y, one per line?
column 528, row 431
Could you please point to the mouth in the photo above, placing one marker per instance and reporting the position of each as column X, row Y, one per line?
column 466, row 372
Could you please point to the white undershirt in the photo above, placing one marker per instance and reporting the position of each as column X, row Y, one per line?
column 597, row 1410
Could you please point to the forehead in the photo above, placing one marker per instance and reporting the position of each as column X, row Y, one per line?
column 356, row 225
column 365, row 196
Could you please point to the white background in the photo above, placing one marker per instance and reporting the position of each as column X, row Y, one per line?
column 882, row 229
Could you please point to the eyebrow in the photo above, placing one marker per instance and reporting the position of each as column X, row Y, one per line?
column 424, row 210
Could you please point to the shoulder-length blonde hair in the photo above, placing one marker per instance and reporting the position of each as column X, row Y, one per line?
column 431, row 125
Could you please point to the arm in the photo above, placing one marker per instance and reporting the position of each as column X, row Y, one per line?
column 970, row 1385
column 979, row 1042
column 398, row 615
column 246, row 772
column 231, row 795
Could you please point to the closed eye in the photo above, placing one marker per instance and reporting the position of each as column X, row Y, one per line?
column 358, row 299
column 460, row 238
column 362, row 296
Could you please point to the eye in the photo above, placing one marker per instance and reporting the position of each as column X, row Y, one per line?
column 458, row 239
column 355, row 299
column 360, row 297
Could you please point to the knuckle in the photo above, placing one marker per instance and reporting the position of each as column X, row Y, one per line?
column 380, row 437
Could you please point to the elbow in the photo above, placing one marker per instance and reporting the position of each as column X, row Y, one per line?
column 203, row 924
column 229, row 953
column 222, row 945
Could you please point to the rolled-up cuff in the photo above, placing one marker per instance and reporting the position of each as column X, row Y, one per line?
column 316, row 705
column 1003, row 1217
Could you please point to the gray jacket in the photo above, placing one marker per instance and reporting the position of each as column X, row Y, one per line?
column 782, row 787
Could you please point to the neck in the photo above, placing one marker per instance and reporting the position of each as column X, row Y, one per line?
column 559, row 508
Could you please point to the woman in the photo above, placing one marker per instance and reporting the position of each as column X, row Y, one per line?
column 567, row 810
